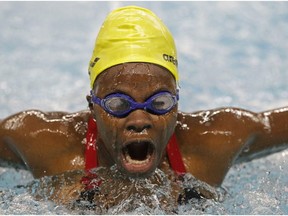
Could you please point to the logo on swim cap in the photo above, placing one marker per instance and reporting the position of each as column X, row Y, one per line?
column 133, row 34
column 170, row 59
column 92, row 63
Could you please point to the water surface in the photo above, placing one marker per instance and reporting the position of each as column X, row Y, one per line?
column 230, row 54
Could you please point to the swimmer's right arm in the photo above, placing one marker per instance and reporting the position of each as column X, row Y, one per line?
column 47, row 143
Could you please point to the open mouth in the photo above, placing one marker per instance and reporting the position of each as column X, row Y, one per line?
column 137, row 156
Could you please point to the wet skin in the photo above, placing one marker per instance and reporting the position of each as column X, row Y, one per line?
column 136, row 143
column 210, row 141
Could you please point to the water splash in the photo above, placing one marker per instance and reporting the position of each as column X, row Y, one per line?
column 119, row 194
column 244, row 192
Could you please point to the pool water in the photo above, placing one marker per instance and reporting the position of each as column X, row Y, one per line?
column 230, row 54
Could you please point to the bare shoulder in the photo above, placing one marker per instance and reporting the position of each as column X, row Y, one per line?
column 211, row 140
column 19, row 119
column 206, row 128
column 48, row 143
column 207, row 115
column 219, row 119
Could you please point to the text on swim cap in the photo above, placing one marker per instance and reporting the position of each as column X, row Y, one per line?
column 92, row 63
column 169, row 58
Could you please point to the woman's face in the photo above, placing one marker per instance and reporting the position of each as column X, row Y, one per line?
column 137, row 141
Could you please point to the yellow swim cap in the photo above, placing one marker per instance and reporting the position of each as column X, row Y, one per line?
column 133, row 34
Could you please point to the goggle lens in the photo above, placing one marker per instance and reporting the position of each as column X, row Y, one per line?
column 162, row 102
column 119, row 104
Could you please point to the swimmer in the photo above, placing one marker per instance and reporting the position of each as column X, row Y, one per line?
column 133, row 121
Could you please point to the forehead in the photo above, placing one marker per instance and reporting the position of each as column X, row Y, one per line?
column 131, row 78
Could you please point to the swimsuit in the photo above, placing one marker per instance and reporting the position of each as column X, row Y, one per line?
column 91, row 162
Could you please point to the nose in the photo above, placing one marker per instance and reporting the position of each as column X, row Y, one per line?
column 138, row 121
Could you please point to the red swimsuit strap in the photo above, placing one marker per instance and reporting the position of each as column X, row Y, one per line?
column 174, row 156
column 91, row 156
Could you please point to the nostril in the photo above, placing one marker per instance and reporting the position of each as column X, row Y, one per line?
column 131, row 128
column 138, row 121
column 138, row 128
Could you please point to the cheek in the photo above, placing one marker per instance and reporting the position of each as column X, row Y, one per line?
column 107, row 129
column 171, row 124
column 166, row 126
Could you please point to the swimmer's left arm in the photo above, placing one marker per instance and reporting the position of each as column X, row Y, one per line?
column 212, row 141
column 271, row 138
column 6, row 153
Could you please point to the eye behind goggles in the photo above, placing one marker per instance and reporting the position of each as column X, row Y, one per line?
column 120, row 105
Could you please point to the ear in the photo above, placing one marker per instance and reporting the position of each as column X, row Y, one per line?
column 90, row 104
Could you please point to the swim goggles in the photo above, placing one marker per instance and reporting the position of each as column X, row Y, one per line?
column 120, row 105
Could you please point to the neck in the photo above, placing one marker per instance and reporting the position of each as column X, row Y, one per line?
column 105, row 159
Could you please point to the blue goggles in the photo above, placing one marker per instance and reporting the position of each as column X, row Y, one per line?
column 120, row 105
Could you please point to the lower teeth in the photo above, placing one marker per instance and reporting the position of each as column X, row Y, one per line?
column 130, row 160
